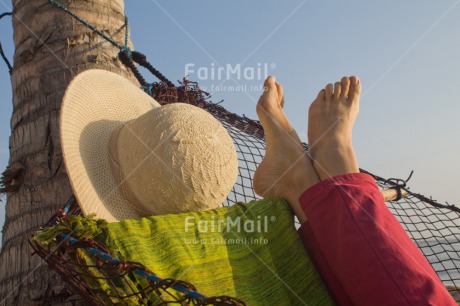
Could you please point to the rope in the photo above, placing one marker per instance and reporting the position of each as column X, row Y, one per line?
column 149, row 275
column 5, row 59
column 126, row 56
column 6, row 14
column 141, row 59
column 397, row 183
column 127, row 60
column 109, row 39
column 126, row 30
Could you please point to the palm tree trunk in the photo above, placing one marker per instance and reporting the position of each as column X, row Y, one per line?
column 50, row 49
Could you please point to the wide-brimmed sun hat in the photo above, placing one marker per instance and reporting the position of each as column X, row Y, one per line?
column 127, row 157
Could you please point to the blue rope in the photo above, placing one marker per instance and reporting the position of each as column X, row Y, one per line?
column 147, row 88
column 5, row 59
column 124, row 48
column 69, row 203
column 147, row 274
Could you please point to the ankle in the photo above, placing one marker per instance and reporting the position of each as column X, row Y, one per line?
column 299, row 181
column 293, row 201
column 332, row 142
column 335, row 161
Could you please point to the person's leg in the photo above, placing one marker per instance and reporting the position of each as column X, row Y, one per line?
column 286, row 170
column 361, row 249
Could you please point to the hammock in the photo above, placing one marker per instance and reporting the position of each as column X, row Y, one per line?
column 433, row 226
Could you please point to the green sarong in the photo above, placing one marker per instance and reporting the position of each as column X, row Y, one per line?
column 250, row 251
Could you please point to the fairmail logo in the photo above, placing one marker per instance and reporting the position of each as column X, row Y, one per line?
column 229, row 72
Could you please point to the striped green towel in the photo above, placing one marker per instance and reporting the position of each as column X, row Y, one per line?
column 251, row 251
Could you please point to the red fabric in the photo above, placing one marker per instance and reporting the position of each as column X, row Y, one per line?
column 361, row 251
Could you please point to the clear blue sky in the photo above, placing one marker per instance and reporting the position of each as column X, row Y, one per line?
column 405, row 52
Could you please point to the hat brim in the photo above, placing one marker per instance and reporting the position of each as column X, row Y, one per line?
column 96, row 103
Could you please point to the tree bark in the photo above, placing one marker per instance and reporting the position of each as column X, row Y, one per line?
column 50, row 49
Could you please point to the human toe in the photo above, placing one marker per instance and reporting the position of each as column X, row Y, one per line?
column 321, row 95
column 269, row 99
column 345, row 87
column 329, row 90
column 355, row 89
column 279, row 88
column 337, row 91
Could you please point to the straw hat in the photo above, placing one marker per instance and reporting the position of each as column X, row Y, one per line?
column 128, row 157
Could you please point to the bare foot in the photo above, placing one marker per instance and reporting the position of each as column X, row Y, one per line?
column 330, row 120
column 286, row 171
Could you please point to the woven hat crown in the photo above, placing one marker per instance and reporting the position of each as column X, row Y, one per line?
column 172, row 159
